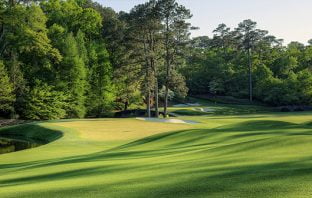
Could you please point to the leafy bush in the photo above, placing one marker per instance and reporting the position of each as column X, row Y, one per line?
column 6, row 91
column 44, row 103
column 162, row 92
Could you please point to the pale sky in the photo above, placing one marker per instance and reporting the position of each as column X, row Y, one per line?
column 290, row 20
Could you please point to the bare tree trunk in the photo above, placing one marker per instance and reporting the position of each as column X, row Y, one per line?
column 166, row 100
column 156, row 99
column 13, row 78
column 250, row 75
column 11, row 3
column 167, row 69
column 147, row 80
column 154, row 69
column 126, row 106
column 148, row 104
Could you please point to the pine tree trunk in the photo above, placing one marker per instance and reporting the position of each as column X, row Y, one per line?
column 167, row 70
column 11, row 3
column 250, row 75
column 126, row 106
column 148, row 104
column 166, row 101
column 147, row 81
column 156, row 99
column 167, row 86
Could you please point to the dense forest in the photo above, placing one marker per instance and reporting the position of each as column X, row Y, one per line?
column 76, row 58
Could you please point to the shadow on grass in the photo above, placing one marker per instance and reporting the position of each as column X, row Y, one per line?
column 261, row 125
column 29, row 134
column 205, row 163
column 265, row 180
column 260, row 134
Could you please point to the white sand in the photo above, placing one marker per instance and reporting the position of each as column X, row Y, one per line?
column 199, row 109
column 204, row 109
column 187, row 105
column 175, row 121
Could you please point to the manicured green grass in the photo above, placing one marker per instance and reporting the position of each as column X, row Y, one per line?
column 220, row 109
column 247, row 155
column 189, row 112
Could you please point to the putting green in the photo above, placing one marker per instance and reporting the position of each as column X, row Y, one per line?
column 258, row 155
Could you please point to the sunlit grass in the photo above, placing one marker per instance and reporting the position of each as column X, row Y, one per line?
column 256, row 155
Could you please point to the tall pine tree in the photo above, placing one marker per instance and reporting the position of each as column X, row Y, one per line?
column 74, row 75
column 101, row 92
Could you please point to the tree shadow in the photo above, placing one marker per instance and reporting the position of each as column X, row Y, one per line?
column 27, row 136
column 205, row 163
column 181, row 140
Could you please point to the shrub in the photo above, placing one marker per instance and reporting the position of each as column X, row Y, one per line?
column 44, row 103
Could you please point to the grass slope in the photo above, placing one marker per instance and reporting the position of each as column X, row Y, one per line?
column 31, row 132
column 258, row 155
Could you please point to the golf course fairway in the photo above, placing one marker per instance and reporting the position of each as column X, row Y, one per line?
column 256, row 155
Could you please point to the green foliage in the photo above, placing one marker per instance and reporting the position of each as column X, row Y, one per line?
column 177, row 84
column 102, row 60
column 162, row 92
column 49, row 42
column 27, row 33
column 7, row 96
column 219, row 66
column 44, row 103
column 127, row 89
column 20, row 87
column 72, row 17
column 81, row 45
column 74, row 73
column 101, row 92
column 294, row 90
column 304, row 80
column 91, row 21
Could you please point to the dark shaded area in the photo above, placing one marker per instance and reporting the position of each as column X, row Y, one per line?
column 226, row 99
column 12, row 122
column 294, row 108
column 12, row 145
column 25, row 136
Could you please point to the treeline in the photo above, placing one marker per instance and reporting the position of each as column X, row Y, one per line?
column 53, row 60
column 76, row 58
column 247, row 62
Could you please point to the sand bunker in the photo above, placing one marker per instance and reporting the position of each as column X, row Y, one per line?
column 187, row 105
column 204, row 109
column 175, row 121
